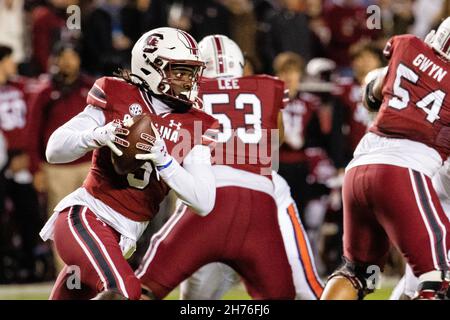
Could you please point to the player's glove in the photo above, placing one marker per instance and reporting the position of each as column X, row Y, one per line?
column 155, row 148
column 108, row 135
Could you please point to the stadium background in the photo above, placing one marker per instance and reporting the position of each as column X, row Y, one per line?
column 328, row 43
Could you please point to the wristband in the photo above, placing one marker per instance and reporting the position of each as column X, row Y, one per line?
column 160, row 168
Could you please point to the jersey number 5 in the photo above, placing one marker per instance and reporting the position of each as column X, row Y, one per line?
column 401, row 99
column 141, row 177
column 253, row 119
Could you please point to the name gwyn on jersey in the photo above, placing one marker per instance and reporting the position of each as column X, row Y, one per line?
column 426, row 65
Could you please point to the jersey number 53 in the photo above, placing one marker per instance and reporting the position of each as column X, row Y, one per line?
column 251, row 119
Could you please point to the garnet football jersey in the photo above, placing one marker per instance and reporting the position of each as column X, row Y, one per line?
column 247, row 109
column 301, row 127
column 356, row 119
column 14, row 112
column 415, row 102
column 137, row 195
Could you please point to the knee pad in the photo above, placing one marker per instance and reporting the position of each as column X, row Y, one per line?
column 357, row 274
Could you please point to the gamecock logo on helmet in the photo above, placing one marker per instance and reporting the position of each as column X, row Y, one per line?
column 152, row 42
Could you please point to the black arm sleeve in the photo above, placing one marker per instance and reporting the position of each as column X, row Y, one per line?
column 372, row 102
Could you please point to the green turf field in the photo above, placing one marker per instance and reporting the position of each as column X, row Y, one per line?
column 42, row 291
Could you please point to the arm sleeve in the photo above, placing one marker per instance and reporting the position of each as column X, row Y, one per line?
column 74, row 139
column 194, row 182
column 370, row 100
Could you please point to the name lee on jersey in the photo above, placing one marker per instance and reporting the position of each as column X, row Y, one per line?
column 228, row 84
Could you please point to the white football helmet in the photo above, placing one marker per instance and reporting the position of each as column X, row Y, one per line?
column 157, row 52
column 222, row 56
column 439, row 39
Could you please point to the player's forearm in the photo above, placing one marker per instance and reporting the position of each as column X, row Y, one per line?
column 373, row 82
column 74, row 139
column 377, row 88
column 194, row 182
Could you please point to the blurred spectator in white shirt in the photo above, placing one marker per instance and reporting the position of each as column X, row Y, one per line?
column 12, row 26
column 424, row 22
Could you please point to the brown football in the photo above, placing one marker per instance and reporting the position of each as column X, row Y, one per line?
column 127, row 162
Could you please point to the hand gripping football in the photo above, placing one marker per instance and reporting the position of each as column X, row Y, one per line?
column 127, row 162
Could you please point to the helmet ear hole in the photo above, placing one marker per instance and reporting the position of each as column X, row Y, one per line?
column 158, row 62
column 145, row 71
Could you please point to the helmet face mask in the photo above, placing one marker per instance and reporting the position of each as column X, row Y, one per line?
column 157, row 54
column 223, row 57
column 180, row 80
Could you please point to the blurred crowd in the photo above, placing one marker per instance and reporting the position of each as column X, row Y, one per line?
column 322, row 49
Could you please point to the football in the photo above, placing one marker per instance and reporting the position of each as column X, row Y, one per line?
column 127, row 162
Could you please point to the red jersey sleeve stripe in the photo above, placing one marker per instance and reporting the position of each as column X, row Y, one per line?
column 98, row 92
column 209, row 138
column 93, row 96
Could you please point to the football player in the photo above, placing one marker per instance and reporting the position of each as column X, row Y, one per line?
column 95, row 228
column 15, row 94
column 406, row 287
column 212, row 281
column 388, row 193
column 271, row 253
